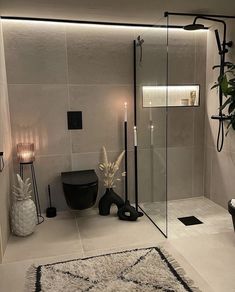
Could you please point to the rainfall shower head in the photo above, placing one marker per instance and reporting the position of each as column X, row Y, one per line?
column 194, row 26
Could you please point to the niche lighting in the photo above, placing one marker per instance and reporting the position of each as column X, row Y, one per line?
column 172, row 95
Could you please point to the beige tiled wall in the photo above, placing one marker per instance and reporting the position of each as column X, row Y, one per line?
column 219, row 167
column 187, row 65
column 53, row 68
column 5, row 146
column 183, row 128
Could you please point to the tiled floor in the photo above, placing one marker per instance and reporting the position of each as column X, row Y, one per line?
column 204, row 256
column 215, row 218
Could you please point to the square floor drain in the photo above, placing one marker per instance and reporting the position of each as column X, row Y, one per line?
column 190, row 220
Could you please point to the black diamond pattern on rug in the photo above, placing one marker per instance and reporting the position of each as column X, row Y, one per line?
column 139, row 270
column 190, row 220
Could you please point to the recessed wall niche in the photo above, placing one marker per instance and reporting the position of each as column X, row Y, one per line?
column 171, row 96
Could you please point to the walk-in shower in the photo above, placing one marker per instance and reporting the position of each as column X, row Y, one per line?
column 172, row 87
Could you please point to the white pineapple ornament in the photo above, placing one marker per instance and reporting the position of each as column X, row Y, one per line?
column 23, row 211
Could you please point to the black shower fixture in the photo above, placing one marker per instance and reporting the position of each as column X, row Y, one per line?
column 222, row 50
column 139, row 43
column 194, row 26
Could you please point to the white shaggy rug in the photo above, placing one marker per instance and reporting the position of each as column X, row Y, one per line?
column 140, row 270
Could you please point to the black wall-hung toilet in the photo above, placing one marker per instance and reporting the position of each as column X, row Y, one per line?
column 80, row 188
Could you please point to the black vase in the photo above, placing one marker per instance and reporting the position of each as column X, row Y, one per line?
column 109, row 198
column 128, row 212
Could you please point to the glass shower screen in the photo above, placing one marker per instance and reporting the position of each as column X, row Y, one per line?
column 151, row 121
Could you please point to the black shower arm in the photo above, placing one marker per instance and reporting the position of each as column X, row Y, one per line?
column 216, row 20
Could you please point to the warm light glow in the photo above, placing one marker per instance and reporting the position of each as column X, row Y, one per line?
column 172, row 95
column 25, row 152
column 116, row 26
column 125, row 111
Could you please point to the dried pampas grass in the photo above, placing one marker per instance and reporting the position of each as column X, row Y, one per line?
column 109, row 169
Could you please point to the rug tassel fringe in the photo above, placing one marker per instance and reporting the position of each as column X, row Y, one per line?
column 180, row 271
column 30, row 279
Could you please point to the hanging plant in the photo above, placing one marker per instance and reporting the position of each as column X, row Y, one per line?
column 227, row 84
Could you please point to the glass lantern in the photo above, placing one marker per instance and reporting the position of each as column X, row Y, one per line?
column 25, row 152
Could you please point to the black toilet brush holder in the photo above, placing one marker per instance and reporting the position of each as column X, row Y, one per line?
column 50, row 211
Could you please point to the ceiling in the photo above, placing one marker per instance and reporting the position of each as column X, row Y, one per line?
column 136, row 11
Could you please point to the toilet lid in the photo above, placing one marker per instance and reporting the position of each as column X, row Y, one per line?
column 79, row 178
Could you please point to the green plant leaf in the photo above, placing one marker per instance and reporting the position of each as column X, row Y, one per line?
column 230, row 65
column 224, row 84
column 225, row 104
column 230, row 91
column 231, row 107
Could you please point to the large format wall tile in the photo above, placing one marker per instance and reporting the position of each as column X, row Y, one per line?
column 151, row 66
column 181, row 57
column 145, row 175
column 199, row 126
column 6, row 147
column 100, row 55
column 222, row 184
column 207, row 171
column 145, row 115
column 198, row 167
column 159, row 173
column 179, row 170
column 35, row 52
column 103, row 116
column 38, row 114
column 180, row 127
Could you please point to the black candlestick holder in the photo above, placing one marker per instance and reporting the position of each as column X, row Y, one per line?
column 127, row 212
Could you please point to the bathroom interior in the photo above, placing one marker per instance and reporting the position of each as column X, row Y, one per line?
column 157, row 78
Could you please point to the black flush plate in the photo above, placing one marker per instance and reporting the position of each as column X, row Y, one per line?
column 74, row 120
column 190, row 220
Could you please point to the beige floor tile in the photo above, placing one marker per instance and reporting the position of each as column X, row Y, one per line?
column 188, row 267
column 13, row 275
column 108, row 232
column 215, row 218
column 55, row 236
column 207, row 258
column 212, row 256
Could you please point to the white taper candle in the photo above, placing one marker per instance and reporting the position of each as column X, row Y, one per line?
column 135, row 136
column 125, row 111
column 151, row 135
column 150, row 111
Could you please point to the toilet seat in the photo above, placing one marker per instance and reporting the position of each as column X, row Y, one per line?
column 80, row 177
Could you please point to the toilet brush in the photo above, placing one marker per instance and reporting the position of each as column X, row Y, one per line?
column 50, row 211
